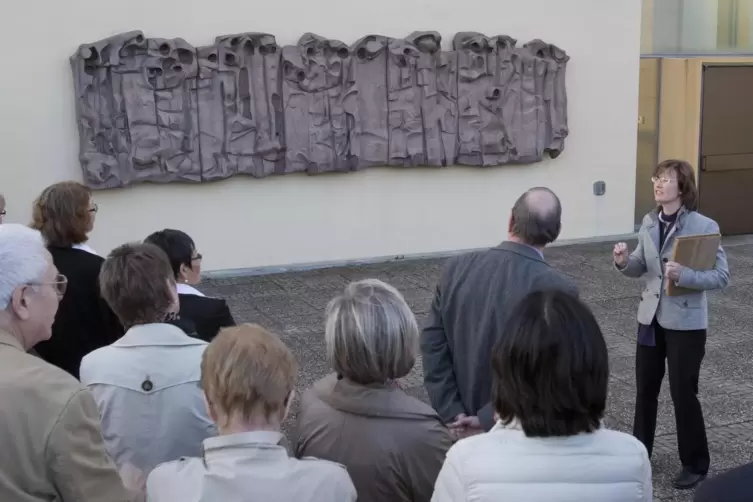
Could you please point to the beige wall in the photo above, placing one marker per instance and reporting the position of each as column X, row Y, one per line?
column 299, row 219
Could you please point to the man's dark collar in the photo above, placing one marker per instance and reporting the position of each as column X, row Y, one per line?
column 521, row 249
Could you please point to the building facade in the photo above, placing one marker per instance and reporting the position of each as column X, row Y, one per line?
column 244, row 222
column 696, row 103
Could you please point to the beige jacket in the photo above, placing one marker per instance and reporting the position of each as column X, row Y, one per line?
column 392, row 444
column 52, row 447
column 249, row 466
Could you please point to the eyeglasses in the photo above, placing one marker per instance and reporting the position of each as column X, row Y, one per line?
column 661, row 181
column 94, row 208
column 198, row 257
column 3, row 212
column 60, row 284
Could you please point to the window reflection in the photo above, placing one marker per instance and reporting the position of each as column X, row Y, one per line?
column 697, row 27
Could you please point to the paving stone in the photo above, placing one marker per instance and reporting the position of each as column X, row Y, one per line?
column 293, row 304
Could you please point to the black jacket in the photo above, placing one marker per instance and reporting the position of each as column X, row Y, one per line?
column 83, row 322
column 207, row 314
column 475, row 297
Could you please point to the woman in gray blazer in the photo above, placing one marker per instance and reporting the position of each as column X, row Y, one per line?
column 672, row 327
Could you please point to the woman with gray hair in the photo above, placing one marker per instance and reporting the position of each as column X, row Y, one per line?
column 392, row 444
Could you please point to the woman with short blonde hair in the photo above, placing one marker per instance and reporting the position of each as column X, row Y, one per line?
column 359, row 412
column 248, row 375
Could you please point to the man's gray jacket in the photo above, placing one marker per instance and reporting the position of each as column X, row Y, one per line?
column 475, row 296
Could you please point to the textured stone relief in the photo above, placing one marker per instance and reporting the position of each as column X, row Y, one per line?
column 159, row 110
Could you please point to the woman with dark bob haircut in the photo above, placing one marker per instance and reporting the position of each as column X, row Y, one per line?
column 550, row 371
column 65, row 213
column 208, row 315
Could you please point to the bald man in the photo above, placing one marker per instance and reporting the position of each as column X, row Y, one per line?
column 474, row 298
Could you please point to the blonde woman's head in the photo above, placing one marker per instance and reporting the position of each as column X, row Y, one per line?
column 248, row 375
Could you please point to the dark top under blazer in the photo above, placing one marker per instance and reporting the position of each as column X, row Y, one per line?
column 84, row 322
column 475, row 296
column 208, row 315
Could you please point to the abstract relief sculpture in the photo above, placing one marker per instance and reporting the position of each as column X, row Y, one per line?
column 160, row 110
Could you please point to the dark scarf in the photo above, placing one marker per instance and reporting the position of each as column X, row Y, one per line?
column 666, row 222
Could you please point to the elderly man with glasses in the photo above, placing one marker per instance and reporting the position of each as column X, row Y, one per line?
column 52, row 444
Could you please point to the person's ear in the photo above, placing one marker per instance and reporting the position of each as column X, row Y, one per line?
column 510, row 224
column 19, row 303
column 183, row 272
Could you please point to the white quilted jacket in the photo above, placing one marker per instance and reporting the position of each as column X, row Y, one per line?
column 504, row 465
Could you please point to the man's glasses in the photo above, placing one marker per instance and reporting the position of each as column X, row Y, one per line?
column 198, row 257
column 60, row 284
column 94, row 208
column 3, row 212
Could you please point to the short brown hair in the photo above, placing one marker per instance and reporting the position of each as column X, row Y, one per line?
column 247, row 369
column 61, row 213
column 135, row 281
column 686, row 184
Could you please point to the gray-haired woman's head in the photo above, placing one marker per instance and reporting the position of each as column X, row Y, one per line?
column 371, row 333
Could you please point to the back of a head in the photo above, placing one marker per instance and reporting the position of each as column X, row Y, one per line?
column 23, row 259
column 177, row 245
column 371, row 333
column 537, row 217
column 551, row 367
column 61, row 213
column 137, row 283
column 248, row 370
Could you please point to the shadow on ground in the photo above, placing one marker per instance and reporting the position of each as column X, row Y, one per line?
column 293, row 304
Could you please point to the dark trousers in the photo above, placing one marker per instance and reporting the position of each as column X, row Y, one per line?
column 683, row 351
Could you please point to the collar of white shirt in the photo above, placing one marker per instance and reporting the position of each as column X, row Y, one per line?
column 85, row 247
column 185, row 289
column 146, row 335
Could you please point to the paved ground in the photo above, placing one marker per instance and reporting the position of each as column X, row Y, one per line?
column 293, row 304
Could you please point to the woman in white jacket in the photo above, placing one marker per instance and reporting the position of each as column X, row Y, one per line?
column 550, row 376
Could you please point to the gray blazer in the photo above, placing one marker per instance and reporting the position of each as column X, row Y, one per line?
column 685, row 312
column 475, row 296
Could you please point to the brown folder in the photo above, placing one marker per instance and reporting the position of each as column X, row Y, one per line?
column 697, row 252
